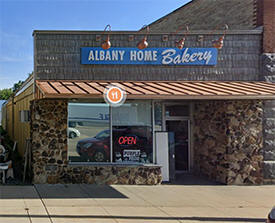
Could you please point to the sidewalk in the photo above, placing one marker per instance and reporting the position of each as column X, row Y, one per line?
column 126, row 203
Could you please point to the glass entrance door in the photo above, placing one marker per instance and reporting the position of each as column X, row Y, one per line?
column 180, row 129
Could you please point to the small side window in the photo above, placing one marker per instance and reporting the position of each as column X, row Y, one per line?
column 24, row 115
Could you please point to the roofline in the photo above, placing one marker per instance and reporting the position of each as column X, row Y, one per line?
column 25, row 86
column 14, row 94
column 245, row 91
column 157, row 81
column 187, row 4
column 163, row 97
column 28, row 79
column 257, row 31
column 163, row 17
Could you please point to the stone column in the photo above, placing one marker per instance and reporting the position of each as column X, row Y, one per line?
column 266, row 18
column 228, row 141
column 49, row 139
column 268, row 74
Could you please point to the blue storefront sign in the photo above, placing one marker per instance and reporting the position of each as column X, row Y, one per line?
column 150, row 56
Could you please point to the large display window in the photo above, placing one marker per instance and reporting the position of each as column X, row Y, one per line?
column 88, row 132
column 89, row 138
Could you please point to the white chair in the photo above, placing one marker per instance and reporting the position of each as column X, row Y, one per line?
column 3, row 168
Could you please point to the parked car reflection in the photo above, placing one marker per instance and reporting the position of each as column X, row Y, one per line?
column 95, row 149
column 73, row 133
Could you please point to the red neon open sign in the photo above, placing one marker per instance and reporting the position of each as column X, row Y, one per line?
column 127, row 140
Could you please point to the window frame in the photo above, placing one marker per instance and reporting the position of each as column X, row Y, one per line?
column 111, row 162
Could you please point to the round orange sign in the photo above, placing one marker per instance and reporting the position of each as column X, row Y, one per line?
column 114, row 95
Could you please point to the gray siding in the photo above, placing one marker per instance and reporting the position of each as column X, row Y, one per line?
column 57, row 56
column 209, row 15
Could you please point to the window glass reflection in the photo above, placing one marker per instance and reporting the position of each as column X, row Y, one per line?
column 176, row 110
column 88, row 132
column 132, row 132
column 158, row 116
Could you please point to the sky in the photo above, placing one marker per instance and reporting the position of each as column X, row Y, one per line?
column 18, row 19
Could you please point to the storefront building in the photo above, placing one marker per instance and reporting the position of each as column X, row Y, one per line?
column 198, row 109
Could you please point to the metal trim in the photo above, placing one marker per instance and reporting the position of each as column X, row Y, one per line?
column 153, row 130
column 119, row 32
column 111, row 132
column 189, row 142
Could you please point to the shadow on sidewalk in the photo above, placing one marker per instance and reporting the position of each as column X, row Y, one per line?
column 191, row 179
column 62, row 191
column 77, row 191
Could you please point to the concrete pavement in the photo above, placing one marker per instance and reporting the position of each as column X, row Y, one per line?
column 128, row 203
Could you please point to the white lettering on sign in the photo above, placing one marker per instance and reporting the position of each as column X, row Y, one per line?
column 166, row 56
column 108, row 55
column 169, row 56
column 121, row 53
column 115, row 55
column 102, row 55
column 140, row 55
column 155, row 55
column 133, row 55
column 146, row 55
column 91, row 55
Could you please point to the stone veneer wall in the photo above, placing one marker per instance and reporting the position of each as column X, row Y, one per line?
column 268, row 74
column 49, row 150
column 228, row 141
